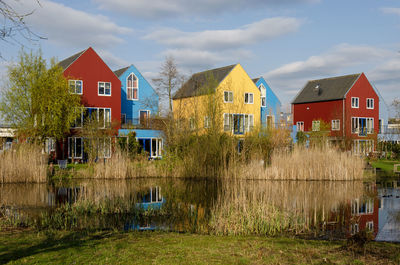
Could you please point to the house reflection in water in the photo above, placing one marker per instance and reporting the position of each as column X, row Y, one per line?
column 63, row 195
column 389, row 212
column 148, row 199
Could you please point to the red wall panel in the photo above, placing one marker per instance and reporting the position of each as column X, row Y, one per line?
column 91, row 69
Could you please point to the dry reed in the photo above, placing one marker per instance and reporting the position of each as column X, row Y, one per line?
column 273, row 207
column 316, row 163
column 25, row 163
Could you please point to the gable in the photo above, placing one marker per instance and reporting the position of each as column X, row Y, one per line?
column 271, row 96
column 326, row 89
column 123, row 74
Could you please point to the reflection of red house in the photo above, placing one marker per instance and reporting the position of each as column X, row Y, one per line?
column 348, row 104
column 100, row 90
column 364, row 215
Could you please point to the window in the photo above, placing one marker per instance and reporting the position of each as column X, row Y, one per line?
column 228, row 96
column 75, row 86
column 132, row 87
column 354, row 102
column 335, row 125
column 228, row 120
column 248, row 98
column 192, row 124
column 123, row 118
column 354, row 229
column 370, row 103
column 354, row 125
column 263, row 102
column 370, row 125
column 370, row 226
column 300, row 126
column 144, row 116
column 75, row 147
column 206, row 122
column 50, row 145
column 104, row 88
column 100, row 115
column 248, row 122
column 315, row 126
column 381, row 129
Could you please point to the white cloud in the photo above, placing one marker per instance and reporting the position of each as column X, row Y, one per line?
column 67, row 26
column 156, row 9
column 391, row 10
column 381, row 66
column 111, row 60
column 264, row 30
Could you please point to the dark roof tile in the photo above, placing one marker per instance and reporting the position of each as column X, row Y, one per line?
column 67, row 62
column 198, row 81
column 326, row 89
column 119, row 72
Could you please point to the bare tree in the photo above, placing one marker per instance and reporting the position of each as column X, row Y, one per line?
column 169, row 79
column 13, row 23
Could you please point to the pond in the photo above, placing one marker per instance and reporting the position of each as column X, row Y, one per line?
column 320, row 209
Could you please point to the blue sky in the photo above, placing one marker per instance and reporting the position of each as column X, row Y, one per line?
column 286, row 41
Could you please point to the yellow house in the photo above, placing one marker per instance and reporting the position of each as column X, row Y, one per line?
column 223, row 98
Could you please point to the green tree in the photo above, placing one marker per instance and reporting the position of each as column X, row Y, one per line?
column 36, row 99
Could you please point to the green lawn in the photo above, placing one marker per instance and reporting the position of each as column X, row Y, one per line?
column 30, row 247
column 386, row 165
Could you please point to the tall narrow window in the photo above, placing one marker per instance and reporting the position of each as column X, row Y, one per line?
column 354, row 102
column 370, row 125
column 123, row 118
column 206, row 122
column 144, row 118
column 370, row 103
column 132, row 87
column 227, row 122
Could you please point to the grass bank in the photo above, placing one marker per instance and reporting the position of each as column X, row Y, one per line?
column 385, row 165
column 172, row 248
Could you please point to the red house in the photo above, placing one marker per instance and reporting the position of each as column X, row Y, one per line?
column 100, row 90
column 348, row 104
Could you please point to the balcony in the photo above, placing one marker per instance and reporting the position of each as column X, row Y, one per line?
column 149, row 124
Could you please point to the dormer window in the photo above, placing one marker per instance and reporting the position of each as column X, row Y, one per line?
column 132, row 87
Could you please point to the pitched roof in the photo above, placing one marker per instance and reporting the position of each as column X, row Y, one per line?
column 119, row 72
column 255, row 80
column 194, row 86
column 326, row 89
column 67, row 62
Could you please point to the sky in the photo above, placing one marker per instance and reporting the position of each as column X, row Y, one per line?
column 286, row 41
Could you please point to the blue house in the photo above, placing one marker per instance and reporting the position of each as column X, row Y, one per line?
column 139, row 106
column 270, row 104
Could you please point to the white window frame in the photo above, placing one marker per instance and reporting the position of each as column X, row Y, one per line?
column 355, row 102
column 247, row 97
column 300, row 126
column 230, row 96
column 263, row 104
column 192, row 123
column 74, row 150
column 369, row 226
column 370, row 103
column 335, row 125
column 148, row 115
column 132, row 88
column 104, row 84
column 74, row 85
column 316, row 126
column 206, row 122
column 370, row 129
column 227, row 122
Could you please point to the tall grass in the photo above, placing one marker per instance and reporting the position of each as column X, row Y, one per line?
column 274, row 207
column 25, row 163
column 314, row 163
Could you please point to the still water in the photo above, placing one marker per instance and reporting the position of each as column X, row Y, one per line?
column 322, row 209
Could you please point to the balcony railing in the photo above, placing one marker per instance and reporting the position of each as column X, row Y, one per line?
column 150, row 123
